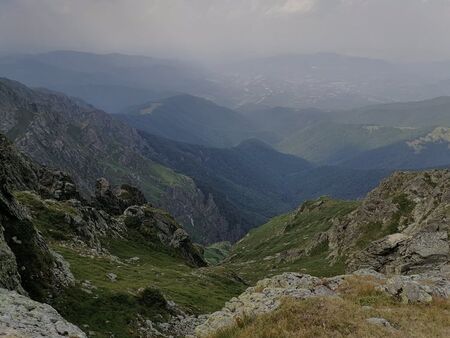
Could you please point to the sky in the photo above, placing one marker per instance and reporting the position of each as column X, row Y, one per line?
column 410, row 30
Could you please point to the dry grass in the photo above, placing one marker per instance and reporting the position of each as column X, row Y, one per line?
column 346, row 316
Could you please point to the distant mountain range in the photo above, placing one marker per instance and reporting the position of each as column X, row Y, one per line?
column 327, row 81
column 111, row 81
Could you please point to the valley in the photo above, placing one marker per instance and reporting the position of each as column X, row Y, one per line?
column 140, row 267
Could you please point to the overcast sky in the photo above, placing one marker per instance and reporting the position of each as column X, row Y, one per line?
column 393, row 29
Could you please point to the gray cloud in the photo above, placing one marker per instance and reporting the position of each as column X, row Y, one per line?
column 395, row 29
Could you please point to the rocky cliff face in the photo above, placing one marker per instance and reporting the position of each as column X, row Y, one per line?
column 401, row 227
column 198, row 213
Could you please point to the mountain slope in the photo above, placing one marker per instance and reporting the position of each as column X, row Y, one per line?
column 331, row 143
column 431, row 150
column 252, row 182
column 247, row 181
column 276, row 124
column 190, row 119
column 60, row 132
column 428, row 113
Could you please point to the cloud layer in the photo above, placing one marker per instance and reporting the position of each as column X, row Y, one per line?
column 395, row 29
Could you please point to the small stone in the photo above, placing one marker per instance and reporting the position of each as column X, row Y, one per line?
column 380, row 322
column 112, row 277
column 16, row 240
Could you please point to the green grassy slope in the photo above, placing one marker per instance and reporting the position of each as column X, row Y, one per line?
column 289, row 243
column 217, row 252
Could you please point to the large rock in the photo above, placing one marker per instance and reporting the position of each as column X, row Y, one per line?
column 57, row 184
column 89, row 226
column 418, row 288
column 23, row 317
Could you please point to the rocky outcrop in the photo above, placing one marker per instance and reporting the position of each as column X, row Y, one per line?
column 116, row 200
column 417, row 288
column 91, row 226
column 156, row 225
column 22, row 317
column 401, row 227
column 20, row 173
column 57, row 185
column 268, row 294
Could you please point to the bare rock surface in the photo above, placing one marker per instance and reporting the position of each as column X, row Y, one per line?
column 22, row 317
